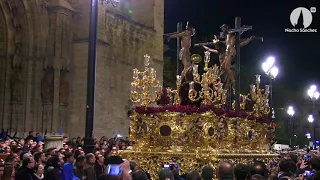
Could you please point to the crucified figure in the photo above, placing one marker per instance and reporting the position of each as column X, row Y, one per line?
column 227, row 51
column 185, row 55
column 230, row 52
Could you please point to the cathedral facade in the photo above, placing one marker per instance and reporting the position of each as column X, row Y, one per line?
column 44, row 57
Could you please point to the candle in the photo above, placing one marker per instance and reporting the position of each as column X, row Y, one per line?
column 195, row 69
column 146, row 60
column 267, row 89
column 191, row 85
column 133, row 87
column 253, row 88
column 258, row 78
column 159, row 86
column 151, row 72
column 155, row 74
column 178, row 80
column 135, row 73
column 207, row 57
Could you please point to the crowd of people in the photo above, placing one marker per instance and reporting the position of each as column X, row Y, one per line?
column 26, row 159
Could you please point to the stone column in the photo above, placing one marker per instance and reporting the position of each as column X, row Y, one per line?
column 53, row 141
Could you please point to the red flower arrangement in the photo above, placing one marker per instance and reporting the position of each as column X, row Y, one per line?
column 201, row 109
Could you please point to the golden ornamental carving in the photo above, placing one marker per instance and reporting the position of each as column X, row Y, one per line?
column 196, row 135
column 145, row 89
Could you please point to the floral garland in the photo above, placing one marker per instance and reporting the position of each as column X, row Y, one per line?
column 201, row 109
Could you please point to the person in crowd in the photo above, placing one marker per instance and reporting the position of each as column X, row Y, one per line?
column 133, row 166
column 99, row 167
column 26, row 171
column 78, row 167
column 8, row 173
column 40, row 158
column 207, row 173
column 7, row 150
column 53, row 169
column 67, row 170
column 30, row 137
column 88, row 168
column 225, row 171
column 241, row 171
column 38, row 171
column 193, row 175
column 258, row 167
column 165, row 174
column 287, row 169
column 139, row 175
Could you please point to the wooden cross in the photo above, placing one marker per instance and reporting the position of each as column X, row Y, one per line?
column 238, row 30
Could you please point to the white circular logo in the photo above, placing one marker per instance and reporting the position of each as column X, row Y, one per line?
column 301, row 16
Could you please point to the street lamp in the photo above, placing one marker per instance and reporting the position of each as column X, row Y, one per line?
column 272, row 72
column 290, row 112
column 308, row 135
column 314, row 95
column 310, row 118
column 91, row 74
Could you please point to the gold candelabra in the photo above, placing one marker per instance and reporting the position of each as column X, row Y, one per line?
column 174, row 94
column 260, row 98
column 212, row 92
column 243, row 102
column 145, row 88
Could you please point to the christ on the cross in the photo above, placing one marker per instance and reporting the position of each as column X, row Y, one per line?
column 227, row 51
column 185, row 55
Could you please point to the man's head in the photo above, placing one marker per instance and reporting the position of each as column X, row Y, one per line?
column 315, row 163
column 165, row 174
column 293, row 157
column 100, row 159
column 90, row 158
column 287, row 166
column 225, row 170
column 133, row 166
column 28, row 162
column 193, row 175
column 241, row 171
column 258, row 167
column 139, row 175
column 80, row 161
column 31, row 133
column 26, row 155
column 69, row 157
column 40, row 157
column 207, row 173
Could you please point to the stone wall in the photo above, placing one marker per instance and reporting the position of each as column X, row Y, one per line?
column 43, row 63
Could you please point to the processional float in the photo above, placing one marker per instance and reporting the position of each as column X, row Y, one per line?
column 202, row 132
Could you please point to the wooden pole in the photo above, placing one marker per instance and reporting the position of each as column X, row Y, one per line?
column 237, row 85
column 179, row 30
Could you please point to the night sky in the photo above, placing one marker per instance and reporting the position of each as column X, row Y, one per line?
column 297, row 54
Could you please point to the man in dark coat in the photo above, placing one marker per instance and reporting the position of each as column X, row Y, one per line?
column 26, row 171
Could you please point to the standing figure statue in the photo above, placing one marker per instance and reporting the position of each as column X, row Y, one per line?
column 185, row 55
column 222, row 129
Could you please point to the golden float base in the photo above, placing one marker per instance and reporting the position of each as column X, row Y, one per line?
column 152, row 161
